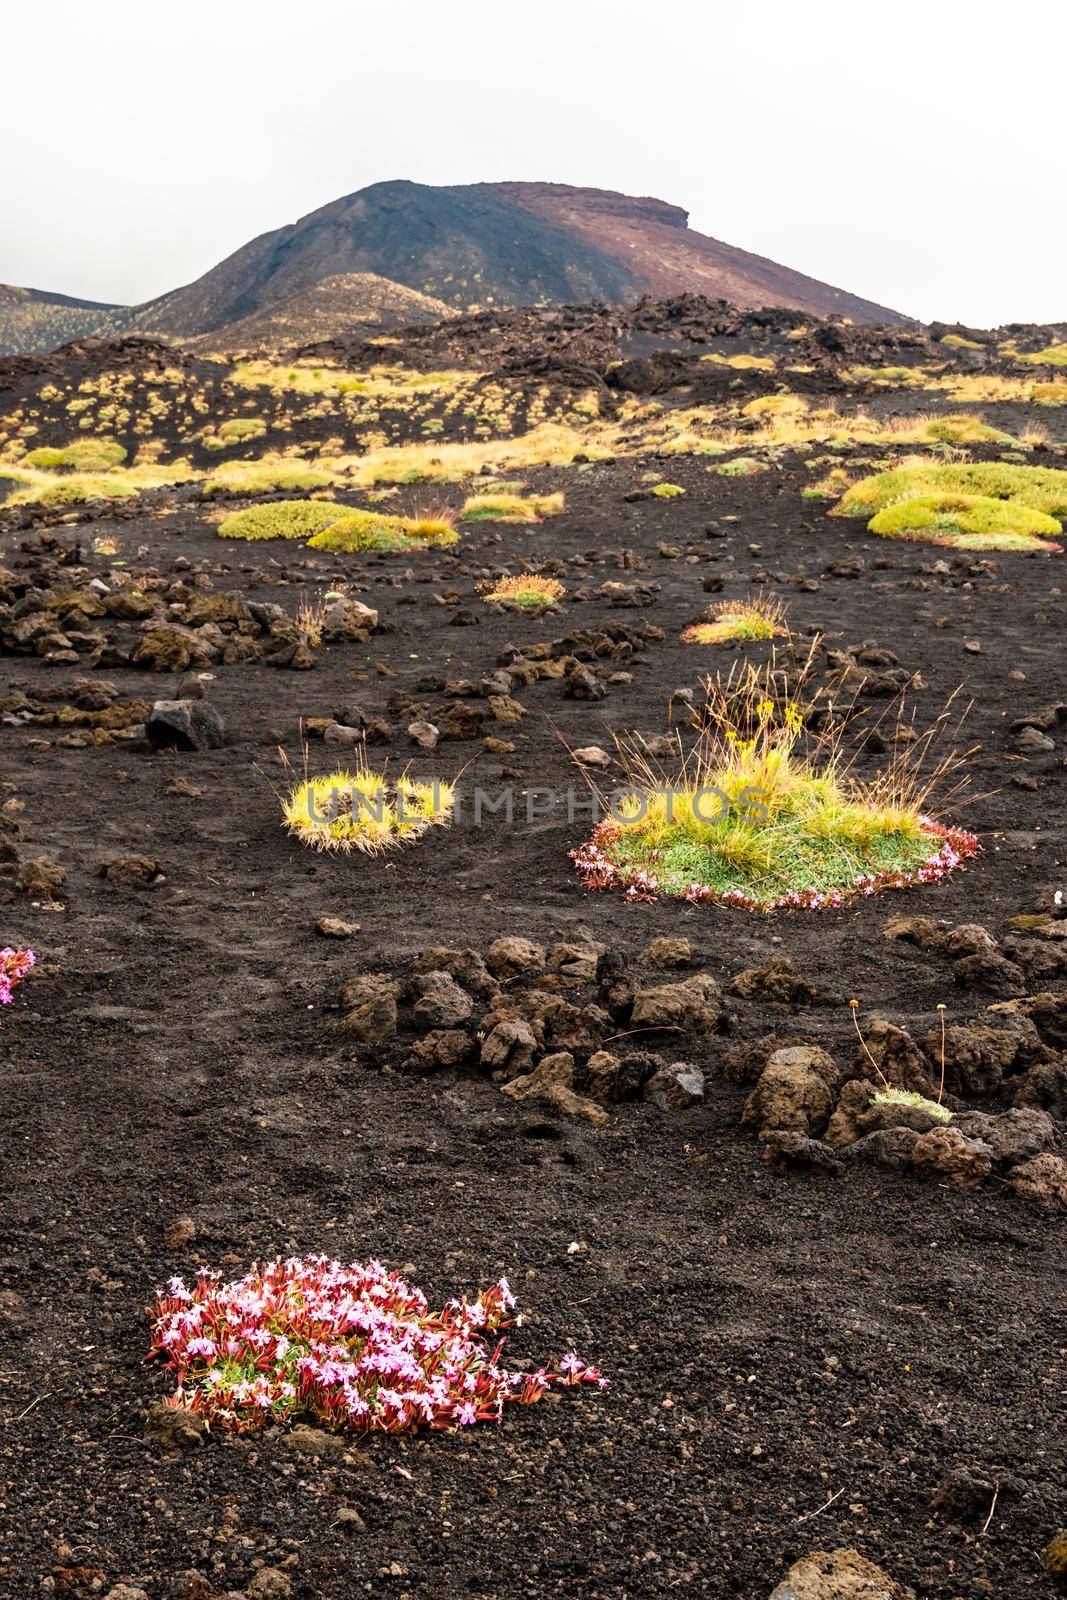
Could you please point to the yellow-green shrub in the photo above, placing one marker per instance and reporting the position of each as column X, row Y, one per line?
column 968, row 521
column 281, row 519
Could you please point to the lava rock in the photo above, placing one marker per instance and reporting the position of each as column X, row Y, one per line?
column 676, row 1087
column 185, row 725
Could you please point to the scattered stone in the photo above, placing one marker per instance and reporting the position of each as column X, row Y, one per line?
column 441, row 1003
column 174, row 1428
column 676, row 1087
column 370, row 1009
column 510, row 956
column 690, row 1007
column 591, row 755
column 133, row 869
column 269, row 1583
column 40, row 878
column 777, row 982
column 179, row 1233
column 783, row 1150
column 424, row 734
column 308, row 1441
column 336, row 928
column 508, row 1050
column 666, row 952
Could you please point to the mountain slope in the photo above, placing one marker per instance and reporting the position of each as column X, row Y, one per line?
column 463, row 245
column 350, row 305
column 659, row 248
column 466, row 245
column 33, row 321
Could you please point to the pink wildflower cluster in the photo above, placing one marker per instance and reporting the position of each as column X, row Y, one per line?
column 598, row 871
column 354, row 1348
column 14, row 965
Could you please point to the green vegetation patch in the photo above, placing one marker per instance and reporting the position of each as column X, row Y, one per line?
column 84, row 455
column 282, row 519
column 1040, row 488
column 969, row 521
column 373, row 530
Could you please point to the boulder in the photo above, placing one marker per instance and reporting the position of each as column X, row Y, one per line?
column 185, row 725
column 511, row 957
column 949, row 1156
column 689, row 1007
column 794, row 1092
column 1043, row 1179
column 441, row 1002
column 675, row 1087
column 838, row 1575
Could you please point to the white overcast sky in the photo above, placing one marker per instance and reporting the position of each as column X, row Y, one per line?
column 909, row 152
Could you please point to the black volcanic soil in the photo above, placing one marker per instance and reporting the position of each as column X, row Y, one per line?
column 774, row 1343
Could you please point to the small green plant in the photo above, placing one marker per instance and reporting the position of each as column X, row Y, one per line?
column 964, row 428
column 269, row 476
column 765, row 813
column 915, row 1102
column 666, row 491
column 758, row 618
column 525, row 590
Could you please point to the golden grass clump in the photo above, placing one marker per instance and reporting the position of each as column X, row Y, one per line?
column 269, row 475
column 1049, row 394
column 965, row 427
column 740, row 620
column 511, row 507
column 767, row 812
column 356, row 530
column 525, row 589
column 344, row 811
column 281, row 519
column 1053, row 355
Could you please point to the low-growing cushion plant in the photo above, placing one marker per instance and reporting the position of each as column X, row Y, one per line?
column 84, row 455
column 766, row 813
column 15, row 964
column 281, row 519
column 1041, row 488
column 363, row 810
column 350, row 1348
column 968, row 522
